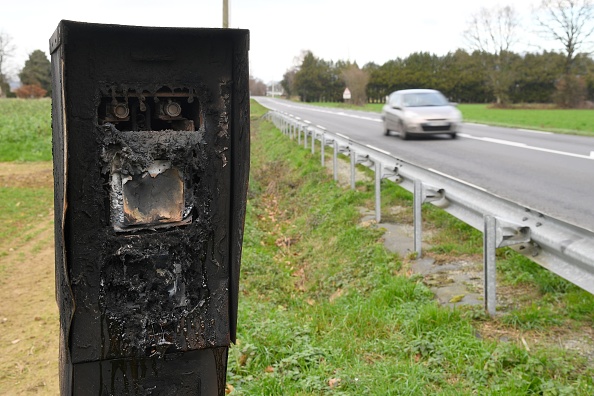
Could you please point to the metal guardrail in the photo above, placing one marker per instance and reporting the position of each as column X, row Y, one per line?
column 563, row 248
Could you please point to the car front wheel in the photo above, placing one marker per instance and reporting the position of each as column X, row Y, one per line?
column 403, row 133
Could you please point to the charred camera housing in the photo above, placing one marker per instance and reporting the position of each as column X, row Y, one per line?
column 147, row 190
column 151, row 160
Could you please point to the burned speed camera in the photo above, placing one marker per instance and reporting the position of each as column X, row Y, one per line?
column 151, row 157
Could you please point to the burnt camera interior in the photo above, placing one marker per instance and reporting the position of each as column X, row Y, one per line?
column 164, row 109
column 148, row 189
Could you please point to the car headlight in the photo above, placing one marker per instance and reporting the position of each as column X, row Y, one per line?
column 413, row 121
column 456, row 116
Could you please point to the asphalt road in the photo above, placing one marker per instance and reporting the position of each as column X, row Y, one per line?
column 550, row 173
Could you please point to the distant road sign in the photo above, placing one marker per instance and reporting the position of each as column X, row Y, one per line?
column 347, row 94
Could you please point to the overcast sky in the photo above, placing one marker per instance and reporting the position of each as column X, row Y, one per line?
column 362, row 31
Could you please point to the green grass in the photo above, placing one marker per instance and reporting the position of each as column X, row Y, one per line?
column 576, row 122
column 25, row 130
column 325, row 309
column 554, row 120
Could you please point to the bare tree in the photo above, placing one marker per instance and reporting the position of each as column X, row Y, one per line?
column 494, row 31
column 257, row 87
column 6, row 51
column 356, row 81
column 570, row 23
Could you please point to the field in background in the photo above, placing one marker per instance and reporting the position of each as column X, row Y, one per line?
column 579, row 122
column 25, row 130
column 324, row 307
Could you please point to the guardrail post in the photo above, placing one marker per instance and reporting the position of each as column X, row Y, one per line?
column 490, row 246
column 313, row 141
column 353, row 164
column 335, row 160
column 498, row 233
column 299, row 130
column 305, row 135
column 323, row 148
column 417, row 217
column 378, row 191
column 422, row 193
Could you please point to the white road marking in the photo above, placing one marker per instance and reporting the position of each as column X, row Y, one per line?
column 527, row 147
column 533, row 131
column 341, row 113
column 475, row 124
column 506, row 142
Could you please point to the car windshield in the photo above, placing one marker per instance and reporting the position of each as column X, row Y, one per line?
column 424, row 99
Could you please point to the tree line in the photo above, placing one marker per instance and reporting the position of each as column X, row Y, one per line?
column 460, row 75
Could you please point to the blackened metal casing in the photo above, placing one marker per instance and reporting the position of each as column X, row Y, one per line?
column 151, row 158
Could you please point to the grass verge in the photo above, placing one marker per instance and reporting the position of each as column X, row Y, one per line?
column 326, row 309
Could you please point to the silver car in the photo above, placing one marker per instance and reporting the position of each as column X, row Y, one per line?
column 420, row 112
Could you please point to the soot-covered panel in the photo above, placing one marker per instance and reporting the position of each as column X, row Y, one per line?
column 151, row 157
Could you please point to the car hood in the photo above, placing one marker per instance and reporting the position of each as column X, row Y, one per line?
column 431, row 112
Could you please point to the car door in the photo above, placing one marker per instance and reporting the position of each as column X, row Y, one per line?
column 392, row 117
